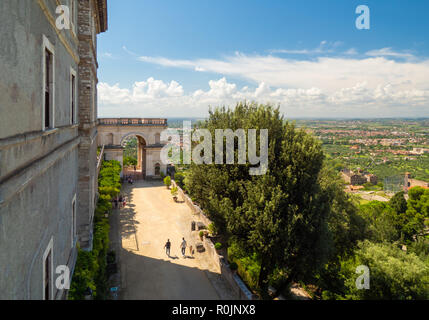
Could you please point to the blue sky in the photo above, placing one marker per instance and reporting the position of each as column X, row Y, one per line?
column 175, row 58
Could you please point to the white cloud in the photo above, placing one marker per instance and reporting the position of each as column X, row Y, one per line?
column 323, row 48
column 388, row 52
column 375, row 85
column 351, row 51
column 327, row 73
column 155, row 98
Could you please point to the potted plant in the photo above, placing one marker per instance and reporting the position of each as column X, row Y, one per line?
column 174, row 192
column 212, row 229
column 167, row 182
column 201, row 235
column 218, row 246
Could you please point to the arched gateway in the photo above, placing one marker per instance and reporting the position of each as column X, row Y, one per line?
column 112, row 132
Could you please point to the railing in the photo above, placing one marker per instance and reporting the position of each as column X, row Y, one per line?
column 132, row 121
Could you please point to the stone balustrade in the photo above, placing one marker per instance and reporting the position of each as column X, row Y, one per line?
column 132, row 122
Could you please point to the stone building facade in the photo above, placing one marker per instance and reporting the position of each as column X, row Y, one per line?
column 114, row 131
column 47, row 141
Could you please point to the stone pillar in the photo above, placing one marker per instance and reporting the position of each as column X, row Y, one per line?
column 87, row 123
column 139, row 155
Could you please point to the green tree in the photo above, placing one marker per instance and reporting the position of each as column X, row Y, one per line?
column 280, row 216
column 412, row 222
column 345, row 228
column 380, row 222
column 398, row 203
column 394, row 274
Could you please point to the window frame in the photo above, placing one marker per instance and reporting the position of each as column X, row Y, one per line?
column 49, row 250
column 94, row 101
column 47, row 46
column 73, row 112
column 73, row 16
column 74, row 223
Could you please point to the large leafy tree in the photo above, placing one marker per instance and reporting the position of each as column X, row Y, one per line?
column 381, row 222
column 345, row 228
column 398, row 203
column 282, row 215
column 417, row 215
column 394, row 274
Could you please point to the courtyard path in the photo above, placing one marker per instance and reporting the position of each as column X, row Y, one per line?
column 149, row 219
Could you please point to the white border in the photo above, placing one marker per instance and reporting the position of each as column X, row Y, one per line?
column 50, row 248
column 47, row 45
column 73, row 223
column 73, row 73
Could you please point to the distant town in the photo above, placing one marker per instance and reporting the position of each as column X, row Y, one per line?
column 377, row 157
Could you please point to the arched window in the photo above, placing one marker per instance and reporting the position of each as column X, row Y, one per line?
column 157, row 169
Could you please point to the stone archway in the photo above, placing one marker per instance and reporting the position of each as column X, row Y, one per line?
column 141, row 151
column 114, row 131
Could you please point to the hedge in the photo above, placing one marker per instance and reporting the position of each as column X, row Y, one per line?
column 90, row 270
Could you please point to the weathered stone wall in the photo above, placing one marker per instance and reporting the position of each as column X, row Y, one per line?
column 41, row 211
column 22, row 25
column 42, row 171
column 87, row 120
column 38, row 169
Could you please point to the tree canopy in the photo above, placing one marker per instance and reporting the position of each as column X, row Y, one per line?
column 282, row 215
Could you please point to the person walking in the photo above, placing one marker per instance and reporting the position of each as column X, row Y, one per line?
column 120, row 201
column 167, row 247
column 183, row 247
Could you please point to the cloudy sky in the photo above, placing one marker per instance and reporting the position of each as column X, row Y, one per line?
column 174, row 58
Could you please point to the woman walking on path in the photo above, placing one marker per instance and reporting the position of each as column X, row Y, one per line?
column 167, row 247
column 183, row 247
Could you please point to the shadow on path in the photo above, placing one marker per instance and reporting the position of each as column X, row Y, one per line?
column 152, row 279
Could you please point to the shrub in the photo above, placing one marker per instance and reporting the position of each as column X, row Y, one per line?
column 174, row 191
column 218, row 246
column 248, row 266
column 90, row 270
column 212, row 228
column 201, row 234
column 179, row 178
column 130, row 161
column 167, row 181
